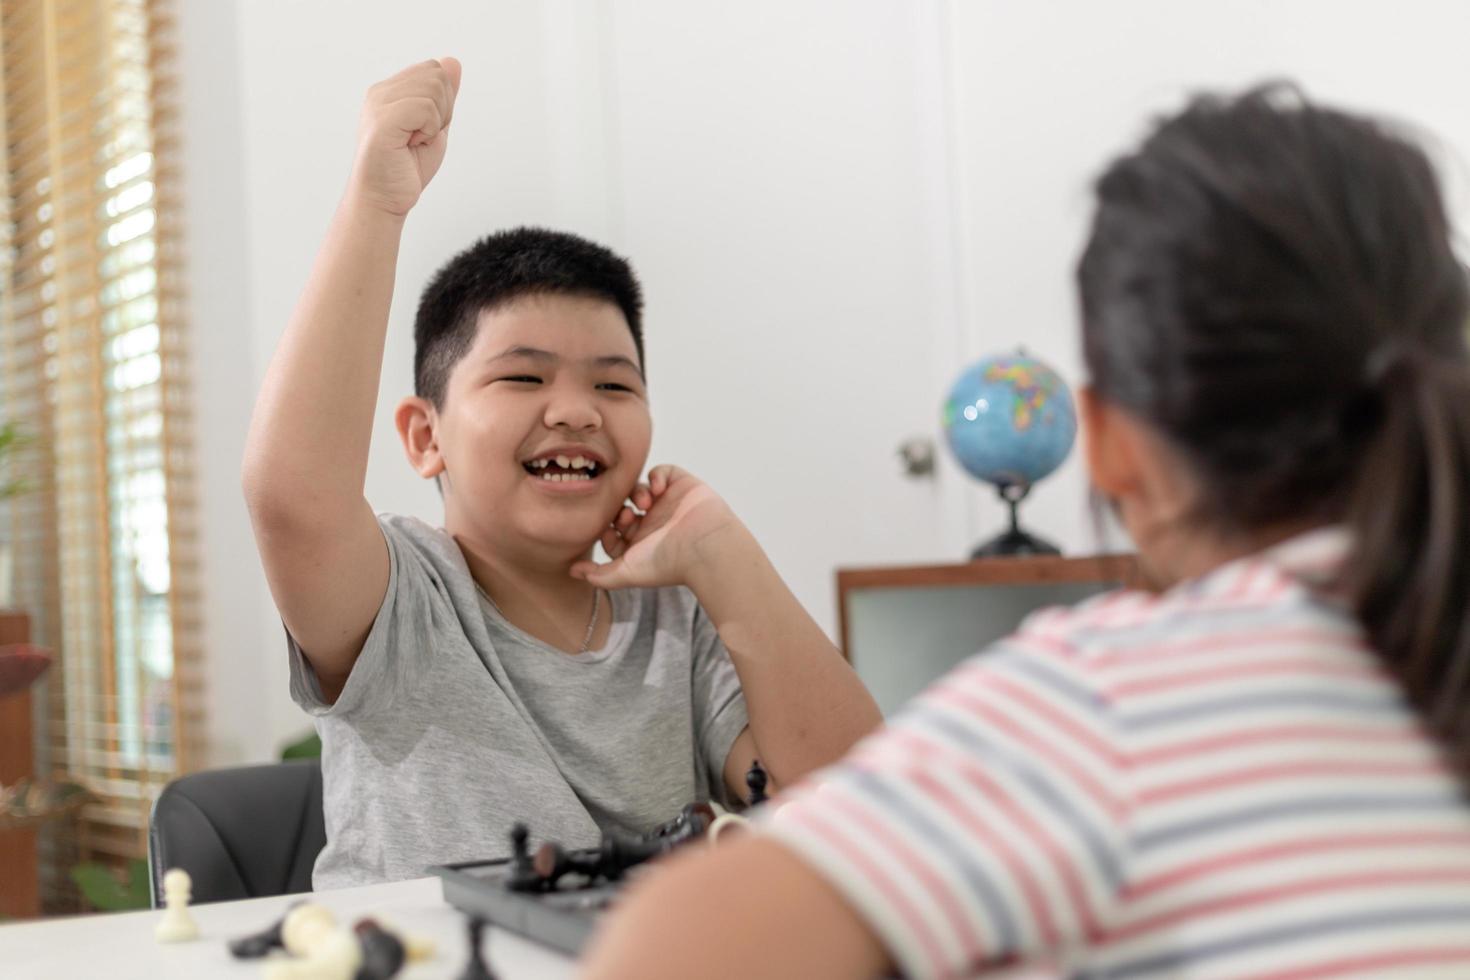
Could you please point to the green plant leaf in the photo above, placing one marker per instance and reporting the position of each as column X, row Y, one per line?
column 104, row 892
column 139, row 894
column 309, row 747
column 13, row 439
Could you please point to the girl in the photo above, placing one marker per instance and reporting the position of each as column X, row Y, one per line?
column 1258, row 771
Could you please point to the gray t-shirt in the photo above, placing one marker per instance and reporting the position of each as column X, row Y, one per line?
column 454, row 724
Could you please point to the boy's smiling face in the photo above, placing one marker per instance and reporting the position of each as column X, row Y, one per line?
column 544, row 427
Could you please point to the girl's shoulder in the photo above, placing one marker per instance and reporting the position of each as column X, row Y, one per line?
column 1278, row 592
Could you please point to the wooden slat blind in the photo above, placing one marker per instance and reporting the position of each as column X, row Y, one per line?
column 94, row 366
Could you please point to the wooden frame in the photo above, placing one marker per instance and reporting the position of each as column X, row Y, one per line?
column 986, row 571
column 21, row 896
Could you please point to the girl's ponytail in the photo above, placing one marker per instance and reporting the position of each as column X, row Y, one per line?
column 1409, row 574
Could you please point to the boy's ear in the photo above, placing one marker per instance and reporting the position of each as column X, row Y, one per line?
column 415, row 420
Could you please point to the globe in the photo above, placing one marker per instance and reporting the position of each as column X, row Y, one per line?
column 1010, row 421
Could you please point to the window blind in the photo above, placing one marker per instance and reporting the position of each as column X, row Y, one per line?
column 94, row 369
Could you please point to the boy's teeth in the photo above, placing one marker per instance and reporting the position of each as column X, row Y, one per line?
column 566, row 468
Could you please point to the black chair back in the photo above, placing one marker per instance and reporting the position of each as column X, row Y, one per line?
column 246, row 832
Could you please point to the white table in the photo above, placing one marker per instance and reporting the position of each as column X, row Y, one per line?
column 120, row 946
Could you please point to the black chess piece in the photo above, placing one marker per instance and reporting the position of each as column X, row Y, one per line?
column 523, row 876
column 755, row 781
column 691, row 822
column 382, row 952
column 619, row 852
column 476, row 968
column 553, row 862
column 544, row 870
column 258, row 944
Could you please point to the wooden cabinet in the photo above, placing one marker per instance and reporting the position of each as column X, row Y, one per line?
column 903, row 627
column 20, row 894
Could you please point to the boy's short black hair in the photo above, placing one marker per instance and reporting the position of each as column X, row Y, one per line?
column 504, row 267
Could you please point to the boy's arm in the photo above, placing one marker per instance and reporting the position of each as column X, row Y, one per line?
column 807, row 706
column 307, row 450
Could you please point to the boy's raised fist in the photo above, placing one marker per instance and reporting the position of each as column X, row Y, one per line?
column 403, row 133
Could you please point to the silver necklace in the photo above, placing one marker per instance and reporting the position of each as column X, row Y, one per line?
column 591, row 623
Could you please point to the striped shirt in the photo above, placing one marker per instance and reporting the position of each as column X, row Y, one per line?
column 1220, row 781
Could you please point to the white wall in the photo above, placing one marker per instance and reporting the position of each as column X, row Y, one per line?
column 834, row 205
column 237, row 636
column 1046, row 93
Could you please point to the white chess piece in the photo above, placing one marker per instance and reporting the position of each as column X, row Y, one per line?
column 305, row 926
column 176, row 926
column 324, row 952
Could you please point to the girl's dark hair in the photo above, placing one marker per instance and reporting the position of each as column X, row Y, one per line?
column 1270, row 285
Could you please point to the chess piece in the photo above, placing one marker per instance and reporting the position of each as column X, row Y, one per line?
column 476, row 968
column 756, row 780
column 523, row 877
column 416, row 946
column 692, row 821
column 305, row 926
column 722, row 824
column 382, row 952
column 334, row 954
column 176, row 926
column 618, row 854
column 552, row 862
column 324, row 952
column 259, row 944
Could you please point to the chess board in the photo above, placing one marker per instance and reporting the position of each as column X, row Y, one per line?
column 560, row 893
column 562, row 918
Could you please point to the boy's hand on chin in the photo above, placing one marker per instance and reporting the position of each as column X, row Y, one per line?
column 675, row 525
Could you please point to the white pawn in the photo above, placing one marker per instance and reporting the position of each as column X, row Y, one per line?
column 176, row 926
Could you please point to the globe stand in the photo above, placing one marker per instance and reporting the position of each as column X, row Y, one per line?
column 1015, row 542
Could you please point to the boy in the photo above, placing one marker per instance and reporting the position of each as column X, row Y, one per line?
column 466, row 678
